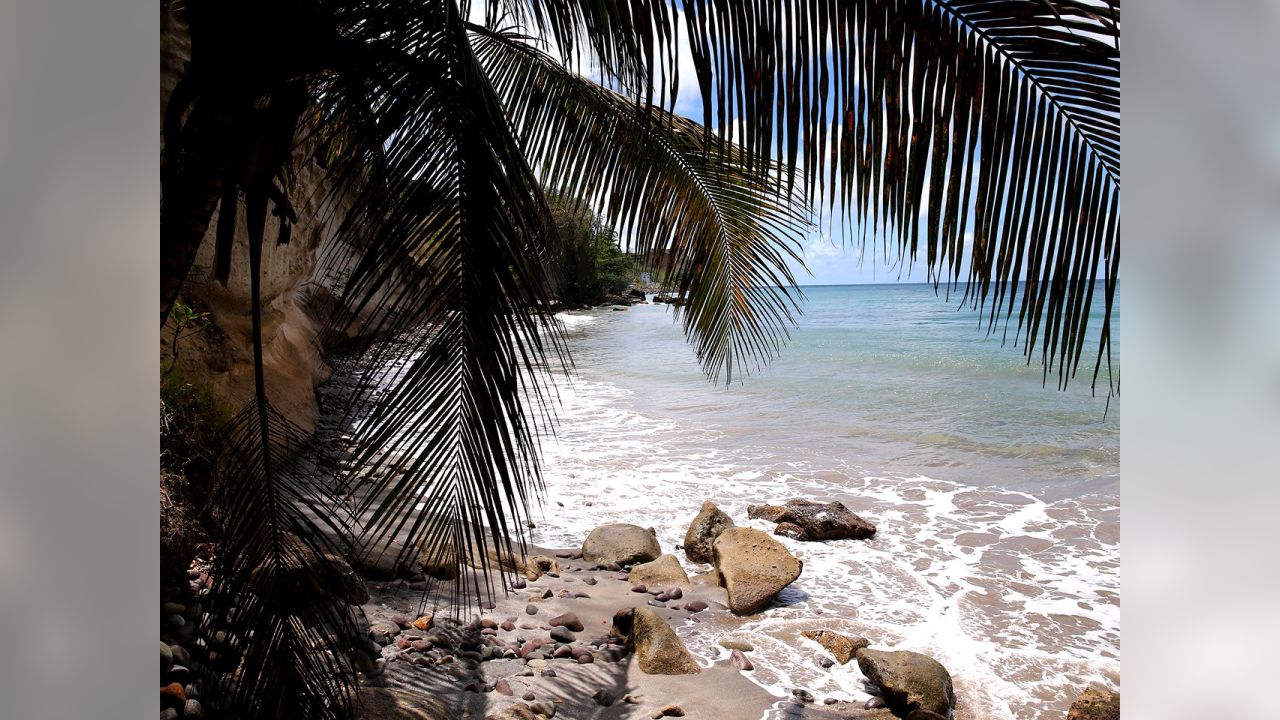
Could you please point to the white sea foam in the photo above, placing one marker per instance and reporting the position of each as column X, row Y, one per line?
column 575, row 320
column 1016, row 596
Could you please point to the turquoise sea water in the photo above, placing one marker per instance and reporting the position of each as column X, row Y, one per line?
column 888, row 375
column 997, row 498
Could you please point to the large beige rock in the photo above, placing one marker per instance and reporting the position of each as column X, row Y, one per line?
column 657, row 647
column 1095, row 704
column 391, row 704
column 841, row 646
column 664, row 572
column 914, row 685
column 620, row 543
column 753, row 568
column 703, row 531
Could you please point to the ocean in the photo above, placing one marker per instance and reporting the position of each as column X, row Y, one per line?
column 996, row 498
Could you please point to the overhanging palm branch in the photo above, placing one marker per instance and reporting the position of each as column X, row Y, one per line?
column 679, row 195
column 456, row 208
column 911, row 114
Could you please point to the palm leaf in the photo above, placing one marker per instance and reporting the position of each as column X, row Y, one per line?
column 455, row 213
column 913, row 115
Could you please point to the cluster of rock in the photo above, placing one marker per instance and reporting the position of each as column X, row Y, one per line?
column 460, row 648
column 505, row 655
column 509, row 650
column 180, row 609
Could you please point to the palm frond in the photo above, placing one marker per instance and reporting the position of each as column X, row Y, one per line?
column 632, row 43
column 277, row 639
column 911, row 115
column 678, row 195
column 454, row 212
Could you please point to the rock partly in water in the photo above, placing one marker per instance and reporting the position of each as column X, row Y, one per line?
column 739, row 660
column 791, row 530
column 754, row 568
column 818, row 521
column 911, row 682
column 665, row 572
column 657, row 647
column 841, row 646
column 703, row 531
column 1095, row 704
column 620, row 543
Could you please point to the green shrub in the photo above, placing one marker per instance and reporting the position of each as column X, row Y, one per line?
column 190, row 418
column 590, row 265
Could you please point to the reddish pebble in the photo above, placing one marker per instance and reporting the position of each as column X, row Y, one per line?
column 639, row 589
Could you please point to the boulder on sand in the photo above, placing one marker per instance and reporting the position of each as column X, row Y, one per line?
column 703, row 531
column 664, row 572
column 657, row 647
column 620, row 543
column 914, row 685
column 842, row 647
column 388, row 561
column 753, row 568
column 1095, row 704
column 820, row 521
column 539, row 564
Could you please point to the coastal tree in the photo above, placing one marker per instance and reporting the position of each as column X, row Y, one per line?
column 978, row 138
